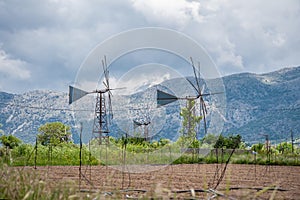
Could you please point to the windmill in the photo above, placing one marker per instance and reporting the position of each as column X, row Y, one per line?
column 164, row 98
column 101, row 119
column 143, row 122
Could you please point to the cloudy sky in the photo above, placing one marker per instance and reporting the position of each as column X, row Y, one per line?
column 43, row 43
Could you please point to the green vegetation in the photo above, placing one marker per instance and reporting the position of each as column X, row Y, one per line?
column 10, row 141
column 63, row 154
column 54, row 133
column 190, row 120
column 138, row 145
column 54, row 147
column 231, row 142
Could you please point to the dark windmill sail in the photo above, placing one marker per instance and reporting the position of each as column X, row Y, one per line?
column 75, row 94
column 164, row 98
column 101, row 119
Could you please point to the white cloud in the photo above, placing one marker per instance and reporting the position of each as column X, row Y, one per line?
column 166, row 12
column 142, row 77
column 10, row 68
column 246, row 35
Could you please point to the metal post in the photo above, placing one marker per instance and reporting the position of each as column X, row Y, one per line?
column 292, row 139
column 80, row 155
column 35, row 153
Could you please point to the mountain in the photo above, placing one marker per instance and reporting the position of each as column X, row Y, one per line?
column 22, row 114
column 263, row 104
column 256, row 104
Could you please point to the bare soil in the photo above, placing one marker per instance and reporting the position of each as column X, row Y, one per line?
column 185, row 181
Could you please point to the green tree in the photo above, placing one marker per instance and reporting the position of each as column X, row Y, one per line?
column 10, row 141
column 1, row 131
column 220, row 143
column 230, row 142
column 257, row 147
column 54, row 133
column 209, row 139
column 190, row 120
column 164, row 141
column 284, row 147
column 233, row 141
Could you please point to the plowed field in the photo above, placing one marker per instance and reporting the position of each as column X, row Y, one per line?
column 198, row 181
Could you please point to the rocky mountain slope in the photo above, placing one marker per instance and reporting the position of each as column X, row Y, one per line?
column 263, row 104
column 22, row 114
column 257, row 104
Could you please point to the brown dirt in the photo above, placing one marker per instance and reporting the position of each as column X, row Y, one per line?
column 186, row 181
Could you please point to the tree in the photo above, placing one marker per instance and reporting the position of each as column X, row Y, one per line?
column 257, row 147
column 190, row 120
column 10, row 141
column 231, row 142
column 220, row 143
column 54, row 133
column 285, row 147
column 1, row 131
column 209, row 139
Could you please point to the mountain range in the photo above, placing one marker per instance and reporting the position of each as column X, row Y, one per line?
column 256, row 105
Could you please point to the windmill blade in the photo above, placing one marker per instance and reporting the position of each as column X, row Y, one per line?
column 137, row 123
column 192, row 85
column 209, row 94
column 195, row 74
column 110, row 105
column 106, row 84
column 106, row 72
column 164, row 98
column 204, row 105
column 202, row 90
column 120, row 88
column 75, row 94
column 109, row 89
column 199, row 75
column 204, row 112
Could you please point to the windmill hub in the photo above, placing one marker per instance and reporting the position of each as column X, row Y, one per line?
column 102, row 91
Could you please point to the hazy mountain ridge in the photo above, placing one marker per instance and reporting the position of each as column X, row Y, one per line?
column 256, row 104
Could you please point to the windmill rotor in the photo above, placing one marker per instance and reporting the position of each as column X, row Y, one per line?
column 106, row 84
column 196, row 77
column 164, row 98
column 202, row 107
column 103, row 103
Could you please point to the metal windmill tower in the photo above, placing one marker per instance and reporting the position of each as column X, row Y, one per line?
column 164, row 98
column 143, row 123
column 101, row 118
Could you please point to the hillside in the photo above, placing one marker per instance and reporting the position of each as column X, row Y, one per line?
column 23, row 114
column 257, row 104
column 263, row 104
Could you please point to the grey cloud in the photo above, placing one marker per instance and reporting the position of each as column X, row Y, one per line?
column 53, row 37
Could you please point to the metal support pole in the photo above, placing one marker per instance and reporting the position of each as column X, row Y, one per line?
column 80, row 155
